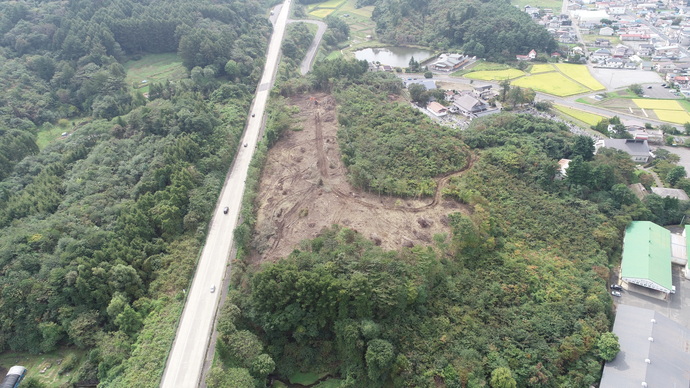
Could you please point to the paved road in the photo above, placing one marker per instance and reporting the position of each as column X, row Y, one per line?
column 305, row 66
column 184, row 364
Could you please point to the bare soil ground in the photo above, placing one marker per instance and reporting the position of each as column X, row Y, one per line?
column 304, row 189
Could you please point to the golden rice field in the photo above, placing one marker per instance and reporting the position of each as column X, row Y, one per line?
column 322, row 12
column 552, row 83
column 495, row 75
column 327, row 4
column 542, row 68
column 665, row 110
column 673, row 116
column 581, row 74
column 585, row 117
column 658, row 104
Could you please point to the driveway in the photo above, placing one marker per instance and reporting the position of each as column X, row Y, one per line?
column 675, row 306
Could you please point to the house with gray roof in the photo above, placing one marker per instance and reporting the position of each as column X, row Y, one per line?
column 654, row 351
column 638, row 149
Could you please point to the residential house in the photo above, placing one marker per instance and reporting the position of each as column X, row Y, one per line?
column 678, row 194
column 634, row 37
column 468, row 105
column 630, row 65
column 532, row 11
column 681, row 80
column 617, row 10
column 645, row 50
column 530, row 56
column 428, row 84
column 601, row 54
column 602, row 43
column 449, row 62
column 622, row 51
column 437, row 109
column 614, row 63
column 606, row 31
column 664, row 67
column 647, row 65
column 483, row 91
column 449, row 95
column 638, row 150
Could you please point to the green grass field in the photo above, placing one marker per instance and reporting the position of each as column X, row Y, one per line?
column 154, row 68
column 330, row 383
column 495, row 75
column 585, row 117
column 581, row 74
column 552, row 83
column 307, row 378
column 34, row 364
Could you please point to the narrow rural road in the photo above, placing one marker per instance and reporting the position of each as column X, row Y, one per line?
column 186, row 359
column 305, row 66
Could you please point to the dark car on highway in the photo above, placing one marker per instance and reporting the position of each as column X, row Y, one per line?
column 616, row 287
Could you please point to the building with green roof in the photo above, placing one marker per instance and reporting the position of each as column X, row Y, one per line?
column 647, row 256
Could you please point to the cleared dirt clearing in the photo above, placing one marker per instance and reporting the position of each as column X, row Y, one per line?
column 304, row 188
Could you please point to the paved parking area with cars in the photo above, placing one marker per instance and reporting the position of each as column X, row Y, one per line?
column 675, row 306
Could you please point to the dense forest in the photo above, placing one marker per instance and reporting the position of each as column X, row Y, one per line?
column 514, row 295
column 100, row 229
column 496, row 30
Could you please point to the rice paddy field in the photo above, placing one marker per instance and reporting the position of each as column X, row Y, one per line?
column 580, row 73
column 362, row 28
column 495, row 75
column 551, row 83
column 585, row 117
column 666, row 110
column 542, row 68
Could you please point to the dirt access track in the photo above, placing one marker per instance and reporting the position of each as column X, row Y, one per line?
column 304, row 189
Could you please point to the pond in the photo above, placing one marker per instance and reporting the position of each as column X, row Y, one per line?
column 395, row 56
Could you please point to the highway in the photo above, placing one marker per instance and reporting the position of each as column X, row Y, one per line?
column 185, row 362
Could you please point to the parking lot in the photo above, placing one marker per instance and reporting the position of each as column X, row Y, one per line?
column 675, row 306
column 657, row 91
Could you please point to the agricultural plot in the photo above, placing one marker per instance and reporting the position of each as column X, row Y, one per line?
column 673, row 116
column 666, row 110
column 658, row 104
column 322, row 10
column 580, row 73
column 542, row 68
column 495, row 75
column 154, row 68
column 585, row 117
column 552, row 83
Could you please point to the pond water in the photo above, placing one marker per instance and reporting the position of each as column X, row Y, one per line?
column 393, row 56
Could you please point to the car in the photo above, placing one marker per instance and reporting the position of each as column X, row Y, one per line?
column 225, row 210
column 673, row 289
column 615, row 293
column 649, row 87
column 616, row 287
column 663, row 85
column 246, row 144
column 213, row 288
column 253, row 114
